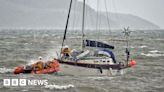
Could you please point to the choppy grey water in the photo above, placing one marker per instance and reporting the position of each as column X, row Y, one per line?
column 19, row 47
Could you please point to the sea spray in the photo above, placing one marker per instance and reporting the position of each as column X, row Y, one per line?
column 52, row 53
column 5, row 70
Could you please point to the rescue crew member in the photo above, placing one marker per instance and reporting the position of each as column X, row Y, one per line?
column 38, row 65
column 54, row 64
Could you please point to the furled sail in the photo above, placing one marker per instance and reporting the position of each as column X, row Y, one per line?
column 91, row 43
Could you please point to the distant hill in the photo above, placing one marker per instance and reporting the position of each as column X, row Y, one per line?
column 132, row 21
column 53, row 14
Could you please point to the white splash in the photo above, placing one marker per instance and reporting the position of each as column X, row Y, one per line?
column 31, row 62
column 5, row 70
column 59, row 87
column 53, row 53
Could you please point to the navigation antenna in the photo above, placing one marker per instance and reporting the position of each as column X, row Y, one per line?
column 127, row 51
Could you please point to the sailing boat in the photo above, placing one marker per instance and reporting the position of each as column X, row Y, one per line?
column 100, row 61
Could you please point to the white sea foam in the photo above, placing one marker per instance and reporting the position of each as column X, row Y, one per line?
column 5, row 70
column 143, row 46
column 132, row 47
column 101, row 78
column 155, row 51
column 129, row 47
column 24, row 90
column 152, row 55
column 59, row 87
column 159, row 39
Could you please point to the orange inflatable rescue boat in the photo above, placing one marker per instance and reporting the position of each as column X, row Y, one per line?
column 39, row 68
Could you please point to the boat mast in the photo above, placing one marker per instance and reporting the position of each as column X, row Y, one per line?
column 65, row 32
column 83, row 18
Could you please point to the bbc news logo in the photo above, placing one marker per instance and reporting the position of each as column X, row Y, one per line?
column 24, row 82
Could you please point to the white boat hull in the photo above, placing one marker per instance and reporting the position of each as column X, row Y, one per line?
column 83, row 71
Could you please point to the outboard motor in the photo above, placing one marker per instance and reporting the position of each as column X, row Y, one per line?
column 28, row 69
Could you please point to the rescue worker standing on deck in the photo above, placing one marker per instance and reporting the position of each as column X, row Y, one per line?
column 66, row 52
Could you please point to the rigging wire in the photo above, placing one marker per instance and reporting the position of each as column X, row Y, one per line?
column 89, row 19
column 117, row 16
column 97, row 16
column 100, row 28
column 90, row 16
column 126, row 30
column 86, row 20
column 97, row 19
column 108, row 21
column 74, row 15
column 107, row 14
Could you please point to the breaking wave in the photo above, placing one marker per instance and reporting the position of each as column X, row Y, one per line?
column 59, row 87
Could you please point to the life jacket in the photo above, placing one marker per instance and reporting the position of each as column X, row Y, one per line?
column 48, row 65
column 38, row 66
column 52, row 64
column 55, row 64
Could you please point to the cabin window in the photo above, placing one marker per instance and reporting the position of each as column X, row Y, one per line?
column 108, row 61
column 103, row 61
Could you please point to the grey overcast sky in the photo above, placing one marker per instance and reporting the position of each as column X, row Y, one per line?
column 151, row 10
